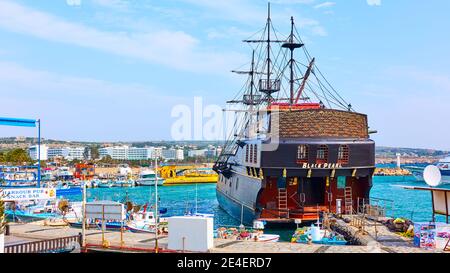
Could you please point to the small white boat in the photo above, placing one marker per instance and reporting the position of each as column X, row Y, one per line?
column 144, row 222
column 266, row 238
column 148, row 178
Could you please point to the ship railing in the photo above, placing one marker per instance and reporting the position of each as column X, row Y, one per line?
column 46, row 246
column 269, row 86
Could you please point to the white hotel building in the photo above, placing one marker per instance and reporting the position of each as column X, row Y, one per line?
column 68, row 153
column 33, row 152
column 134, row 153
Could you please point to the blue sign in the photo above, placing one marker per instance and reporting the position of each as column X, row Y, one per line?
column 18, row 122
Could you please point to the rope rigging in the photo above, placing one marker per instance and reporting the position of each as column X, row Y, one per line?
column 293, row 81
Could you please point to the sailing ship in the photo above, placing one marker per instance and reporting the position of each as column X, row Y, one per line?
column 298, row 146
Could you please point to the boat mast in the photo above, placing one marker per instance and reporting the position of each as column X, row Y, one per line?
column 267, row 85
column 268, row 44
column 291, row 64
column 291, row 44
column 156, row 205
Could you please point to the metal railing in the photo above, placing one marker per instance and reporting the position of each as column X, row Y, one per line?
column 375, row 207
column 45, row 246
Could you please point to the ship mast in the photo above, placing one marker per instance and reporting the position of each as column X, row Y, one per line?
column 268, row 43
column 268, row 86
column 291, row 44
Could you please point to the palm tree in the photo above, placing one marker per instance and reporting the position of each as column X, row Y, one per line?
column 2, row 213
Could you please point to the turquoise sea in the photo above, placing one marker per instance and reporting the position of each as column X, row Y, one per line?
column 415, row 205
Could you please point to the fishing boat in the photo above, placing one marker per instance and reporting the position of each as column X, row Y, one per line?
column 444, row 168
column 144, row 221
column 43, row 210
column 18, row 176
column 79, row 224
column 299, row 146
column 26, row 216
column 105, row 184
column 123, row 183
column 148, row 178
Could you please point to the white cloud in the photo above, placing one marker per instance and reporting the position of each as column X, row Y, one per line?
column 51, row 86
column 73, row 2
column 325, row 5
column 422, row 78
column 226, row 33
column 292, row 1
column 63, row 102
column 313, row 25
column 174, row 49
column 374, row 2
column 115, row 4
column 251, row 14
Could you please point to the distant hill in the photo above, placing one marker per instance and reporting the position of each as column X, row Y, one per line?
column 381, row 151
column 410, row 152
column 7, row 143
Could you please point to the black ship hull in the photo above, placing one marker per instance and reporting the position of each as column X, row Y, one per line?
column 256, row 193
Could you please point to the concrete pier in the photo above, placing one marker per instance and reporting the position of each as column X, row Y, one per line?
column 386, row 241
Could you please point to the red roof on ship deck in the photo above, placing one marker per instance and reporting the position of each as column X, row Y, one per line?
column 300, row 106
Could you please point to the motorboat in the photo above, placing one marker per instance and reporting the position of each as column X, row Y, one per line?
column 149, row 178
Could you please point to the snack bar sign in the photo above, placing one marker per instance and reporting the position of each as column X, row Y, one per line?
column 27, row 194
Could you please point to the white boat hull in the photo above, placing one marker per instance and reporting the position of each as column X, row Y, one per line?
column 273, row 238
column 149, row 182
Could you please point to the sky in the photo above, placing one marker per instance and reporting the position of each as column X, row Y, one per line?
column 112, row 70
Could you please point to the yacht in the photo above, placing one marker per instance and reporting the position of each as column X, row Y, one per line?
column 148, row 178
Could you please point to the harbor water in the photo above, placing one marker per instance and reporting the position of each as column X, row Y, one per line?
column 415, row 205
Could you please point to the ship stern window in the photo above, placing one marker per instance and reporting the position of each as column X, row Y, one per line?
column 246, row 153
column 343, row 154
column 302, row 154
column 322, row 154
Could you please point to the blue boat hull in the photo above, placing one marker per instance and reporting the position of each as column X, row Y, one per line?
column 69, row 191
column 25, row 217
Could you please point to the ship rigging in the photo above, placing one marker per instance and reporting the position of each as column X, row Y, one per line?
column 297, row 145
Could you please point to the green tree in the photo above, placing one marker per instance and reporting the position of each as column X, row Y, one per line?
column 2, row 213
column 94, row 152
column 107, row 159
column 17, row 156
